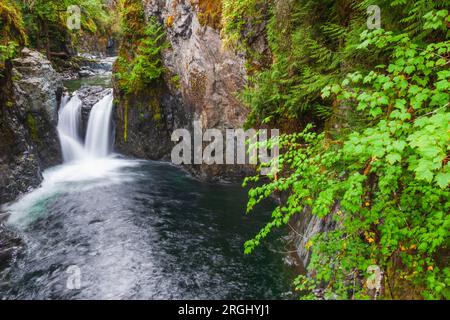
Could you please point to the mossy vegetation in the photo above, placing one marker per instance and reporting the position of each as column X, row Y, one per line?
column 12, row 27
column 32, row 126
column 12, row 31
column 170, row 21
column 139, row 70
column 210, row 13
column 42, row 25
column 143, row 67
column 46, row 23
column 382, row 175
column 175, row 82
column 239, row 19
column 139, row 64
column 125, row 120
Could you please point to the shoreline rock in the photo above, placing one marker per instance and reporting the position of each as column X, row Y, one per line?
column 10, row 246
column 90, row 95
column 28, row 118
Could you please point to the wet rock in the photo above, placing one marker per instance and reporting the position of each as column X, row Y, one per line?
column 83, row 66
column 37, row 86
column 95, row 66
column 3, row 217
column 306, row 227
column 149, row 128
column 10, row 244
column 30, row 95
column 89, row 95
column 86, row 72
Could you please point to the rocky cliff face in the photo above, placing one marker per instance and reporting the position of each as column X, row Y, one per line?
column 201, row 83
column 30, row 94
column 209, row 74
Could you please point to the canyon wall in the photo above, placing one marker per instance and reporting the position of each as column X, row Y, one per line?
column 201, row 81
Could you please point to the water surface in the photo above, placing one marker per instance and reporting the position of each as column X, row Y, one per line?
column 140, row 230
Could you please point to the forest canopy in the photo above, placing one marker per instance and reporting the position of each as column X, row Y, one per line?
column 43, row 24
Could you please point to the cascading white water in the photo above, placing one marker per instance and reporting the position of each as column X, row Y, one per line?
column 64, row 100
column 69, row 129
column 99, row 131
column 86, row 166
column 99, row 138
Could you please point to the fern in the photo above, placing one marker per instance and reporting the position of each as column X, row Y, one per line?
column 315, row 43
column 139, row 72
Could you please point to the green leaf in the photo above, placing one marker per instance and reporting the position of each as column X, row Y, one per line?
column 399, row 145
column 423, row 171
column 443, row 85
column 393, row 158
column 410, row 69
column 443, row 179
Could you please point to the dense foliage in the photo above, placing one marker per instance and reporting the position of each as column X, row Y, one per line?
column 373, row 153
column 42, row 24
column 139, row 68
column 12, row 32
column 142, row 65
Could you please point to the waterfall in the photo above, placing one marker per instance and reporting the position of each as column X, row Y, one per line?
column 99, row 138
column 99, row 130
column 64, row 100
column 69, row 129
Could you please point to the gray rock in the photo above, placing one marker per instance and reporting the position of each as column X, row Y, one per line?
column 89, row 95
column 97, row 65
column 86, row 72
column 209, row 76
column 305, row 227
column 30, row 95
column 37, row 86
column 10, row 245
